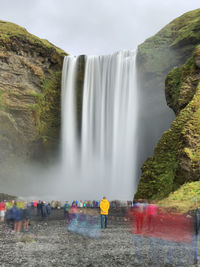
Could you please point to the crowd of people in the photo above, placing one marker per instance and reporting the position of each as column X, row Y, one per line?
column 17, row 214
column 144, row 212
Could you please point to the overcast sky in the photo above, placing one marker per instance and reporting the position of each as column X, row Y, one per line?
column 94, row 26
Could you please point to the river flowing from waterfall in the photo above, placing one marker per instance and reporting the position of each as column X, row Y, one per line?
column 99, row 122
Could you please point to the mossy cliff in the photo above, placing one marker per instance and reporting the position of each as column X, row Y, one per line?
column 176, row 157
column 170, row 47
column 30, row 83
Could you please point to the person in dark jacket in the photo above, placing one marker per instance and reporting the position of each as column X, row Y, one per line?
column 48, row 208
column 43, row 209
column 39, row 208
column 18, row 217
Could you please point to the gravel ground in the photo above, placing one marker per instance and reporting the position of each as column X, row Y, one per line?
column 50, row 243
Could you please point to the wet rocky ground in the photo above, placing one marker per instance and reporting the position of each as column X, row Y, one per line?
column 49, row 242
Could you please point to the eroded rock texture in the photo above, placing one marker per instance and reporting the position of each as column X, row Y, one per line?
column 30, row 81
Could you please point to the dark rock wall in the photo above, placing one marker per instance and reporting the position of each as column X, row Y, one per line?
column 30, row 83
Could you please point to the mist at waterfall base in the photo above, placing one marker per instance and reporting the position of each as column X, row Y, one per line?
column 99, row 150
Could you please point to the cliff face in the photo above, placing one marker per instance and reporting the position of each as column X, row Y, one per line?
column 170, row 47
column 176, row 158
column 30, row 80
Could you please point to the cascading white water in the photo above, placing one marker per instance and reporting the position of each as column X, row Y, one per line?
column 100, row 160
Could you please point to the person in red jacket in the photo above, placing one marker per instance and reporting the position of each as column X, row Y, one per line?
column 2, row 210
column 104, row 207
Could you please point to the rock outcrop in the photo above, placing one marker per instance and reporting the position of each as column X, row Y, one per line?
column 176, row 158
column 170, row 47
column 30, row 83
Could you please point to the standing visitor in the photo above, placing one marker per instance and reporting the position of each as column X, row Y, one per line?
column 27, row 216
column 39, row 208
column 48, row 208
column 18, row 215
column 139, row 215
column 81, row 204
column 66, row 211
column 152, row 210
column 104, row 207
column 2, row 210
column 43, row 209
column 73, row 211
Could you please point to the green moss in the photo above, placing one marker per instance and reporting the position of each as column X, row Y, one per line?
column 38, row 96
column 172, row 87
column 177, row 90
column 33, row 107
column 2, row 106
column 11, row 33
column 184, row 198
column 49, row 107
column 197, row 51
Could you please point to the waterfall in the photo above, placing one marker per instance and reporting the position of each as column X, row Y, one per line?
column 98, row 156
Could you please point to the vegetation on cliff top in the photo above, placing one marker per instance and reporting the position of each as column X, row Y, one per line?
column 10, row 33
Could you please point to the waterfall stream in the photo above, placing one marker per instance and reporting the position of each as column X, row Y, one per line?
column 99, row 156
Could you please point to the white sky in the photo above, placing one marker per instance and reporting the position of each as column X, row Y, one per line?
column 94, row 26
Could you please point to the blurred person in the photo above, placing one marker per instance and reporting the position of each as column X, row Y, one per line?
column 152, row 211
column 89, row 204
column 66, row 208
column 81, row 204
column 2, row 210
column 35, row 204
column 104, row 208
column 58, row 204
column 39, row 207
column 18, row 216
column 139, row 215
column 48, row 208
column 43, row 209
column 53, row 204
column 10, row 214
column 73, row 211
column 26, row 215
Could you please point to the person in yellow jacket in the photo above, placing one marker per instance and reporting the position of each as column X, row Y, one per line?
column 104, row 207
